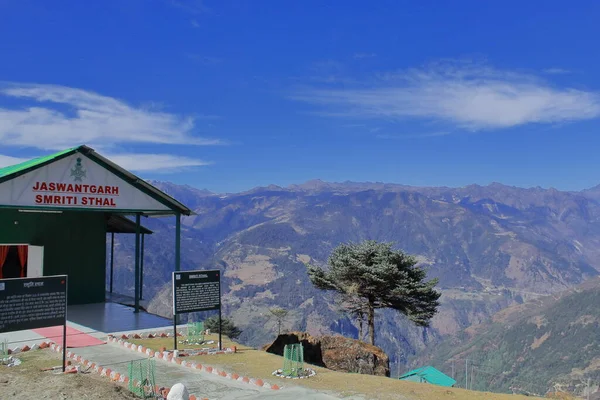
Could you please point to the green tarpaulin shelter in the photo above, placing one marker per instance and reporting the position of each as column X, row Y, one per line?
column 428, row 375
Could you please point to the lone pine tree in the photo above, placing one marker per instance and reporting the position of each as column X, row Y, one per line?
column 372, row 275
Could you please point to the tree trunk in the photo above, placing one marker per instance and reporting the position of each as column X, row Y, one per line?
column 371, row 321
column 360, row 326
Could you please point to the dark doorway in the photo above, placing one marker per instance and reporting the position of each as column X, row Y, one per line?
column 12, row 267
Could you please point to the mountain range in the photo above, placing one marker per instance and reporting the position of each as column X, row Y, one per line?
column 491, row 247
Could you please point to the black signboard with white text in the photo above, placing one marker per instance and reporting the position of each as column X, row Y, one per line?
column 30, row 303
column 195, row 291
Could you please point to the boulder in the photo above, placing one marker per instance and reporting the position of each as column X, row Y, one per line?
column 337, row 353
column 178, row 392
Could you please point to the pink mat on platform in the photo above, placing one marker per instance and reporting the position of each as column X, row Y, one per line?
column 75, row 338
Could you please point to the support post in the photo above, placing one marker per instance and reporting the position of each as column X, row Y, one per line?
column 137, row 264
column 472, row 374
column 220, row 316
column 142, row 268
column 466, row 373
column 64, row 363
column 588, row 389
column 112, row 259
column 177, row 253
column 175, row 331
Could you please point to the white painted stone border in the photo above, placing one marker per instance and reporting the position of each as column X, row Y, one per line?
column 169, row 357
column 279, row 373
column 105, row 372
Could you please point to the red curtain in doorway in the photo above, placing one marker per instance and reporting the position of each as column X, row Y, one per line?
column 3, row 254
column 22, row 249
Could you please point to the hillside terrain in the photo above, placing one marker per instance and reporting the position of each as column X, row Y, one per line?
column 550, row 342
column 491, row 247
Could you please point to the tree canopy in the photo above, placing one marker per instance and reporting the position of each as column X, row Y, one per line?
column 372, row 275
column 229, row 328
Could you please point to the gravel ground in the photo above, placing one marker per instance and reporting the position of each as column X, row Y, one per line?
column 28, row 381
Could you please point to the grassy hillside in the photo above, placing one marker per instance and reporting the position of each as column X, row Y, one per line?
column 551, row 342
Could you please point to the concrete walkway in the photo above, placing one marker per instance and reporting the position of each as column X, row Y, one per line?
column 199, row 383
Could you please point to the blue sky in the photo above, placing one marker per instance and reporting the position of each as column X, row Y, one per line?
column 228, row 95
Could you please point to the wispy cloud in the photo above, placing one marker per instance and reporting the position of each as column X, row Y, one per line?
column 195, row 23
column 364, row 55
column 411, row 135
column 51, row 117
column 204, row 60
column 327, row 72
column 147, row 162
column 5, row 161
column 556, row 71
column 191, row 6
column 460, row 94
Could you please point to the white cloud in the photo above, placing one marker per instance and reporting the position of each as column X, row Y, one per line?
column 191, row 6
column 467, row 96
column 411, row 135
column 6, row 161
column 364, row 55
column 556, row 71
column 204, row 60
column 154, row 162
column 58, row 117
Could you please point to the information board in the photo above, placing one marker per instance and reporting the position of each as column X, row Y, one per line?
column 30, row 303
column 195, row 291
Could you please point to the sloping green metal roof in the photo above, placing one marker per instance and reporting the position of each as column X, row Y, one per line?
column 430, row 375
column 32, row 164
column 11, row 172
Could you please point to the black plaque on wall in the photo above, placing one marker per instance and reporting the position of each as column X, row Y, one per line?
column 195, row 291
column 30, row 303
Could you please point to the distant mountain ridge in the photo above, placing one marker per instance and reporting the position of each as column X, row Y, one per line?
column 491, row 246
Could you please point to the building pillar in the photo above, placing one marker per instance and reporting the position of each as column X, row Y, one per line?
column 177, row 248
column 112, row 259
column 137, row 264
column 142, row 267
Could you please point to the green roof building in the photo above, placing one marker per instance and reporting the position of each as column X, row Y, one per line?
column 428, row 375
column 55, row 213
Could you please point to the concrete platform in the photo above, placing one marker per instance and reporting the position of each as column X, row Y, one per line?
column 97, row 320
column 112, row 318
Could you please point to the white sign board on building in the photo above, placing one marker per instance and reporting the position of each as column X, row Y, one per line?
column 75, row 182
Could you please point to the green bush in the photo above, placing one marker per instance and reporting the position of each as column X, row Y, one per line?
column 229, row 328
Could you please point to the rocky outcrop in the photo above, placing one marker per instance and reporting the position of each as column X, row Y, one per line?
column 337, row 353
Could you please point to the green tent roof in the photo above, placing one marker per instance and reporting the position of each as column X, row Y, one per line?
column 32, row 164
column 430, row 375
column 13, row 171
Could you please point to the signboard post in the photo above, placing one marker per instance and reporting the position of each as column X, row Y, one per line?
column 31, row 303
column 195, row 291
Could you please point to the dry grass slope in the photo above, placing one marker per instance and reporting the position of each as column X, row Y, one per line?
column 27, row 381
column 259, row 364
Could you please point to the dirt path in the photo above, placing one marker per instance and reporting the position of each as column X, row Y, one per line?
column 27, row 381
